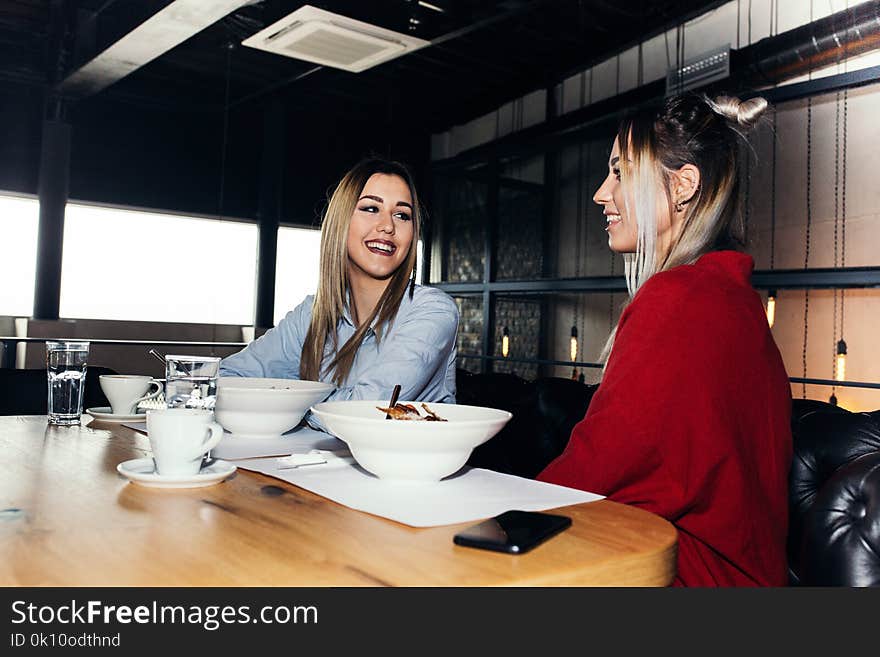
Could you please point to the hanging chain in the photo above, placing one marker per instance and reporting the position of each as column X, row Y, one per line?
column 749, row 40
column 681, row 65
column 580, row 198
column 617, row 75
column 579, row 210
column 776, row 17
column 809, row 181
column 640, row 68
column 836, row 247
column 807, row 236
column 579, row 228
column 843, row 205
column 738, row 2
column 773, row 199
column 586, row 241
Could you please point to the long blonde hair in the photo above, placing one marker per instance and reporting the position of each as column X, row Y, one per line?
column 332, row 297
column 687, row 129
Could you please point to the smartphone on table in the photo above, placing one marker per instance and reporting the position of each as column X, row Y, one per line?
column 513, row 532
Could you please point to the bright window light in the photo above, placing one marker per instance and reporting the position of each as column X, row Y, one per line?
column 19, row 218
column 133, row 265
column 296, row 267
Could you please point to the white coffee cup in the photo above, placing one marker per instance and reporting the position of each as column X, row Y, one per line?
column 126, row 391
column 180, row 437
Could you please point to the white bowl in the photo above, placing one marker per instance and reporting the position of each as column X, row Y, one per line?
column 410, row 450
column 264, row 408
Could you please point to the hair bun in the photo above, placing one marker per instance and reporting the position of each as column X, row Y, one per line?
column 745, row 113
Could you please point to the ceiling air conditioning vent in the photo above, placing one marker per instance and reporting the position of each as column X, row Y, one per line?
column 322, row 37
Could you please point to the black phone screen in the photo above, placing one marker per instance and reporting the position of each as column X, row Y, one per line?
column 512, row 531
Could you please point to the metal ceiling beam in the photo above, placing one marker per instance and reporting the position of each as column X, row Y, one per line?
column 517, row 10
column 776, row 279
column 169, row 27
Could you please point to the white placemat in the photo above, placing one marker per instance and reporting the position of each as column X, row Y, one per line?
column 471, row 494
column 300, row 439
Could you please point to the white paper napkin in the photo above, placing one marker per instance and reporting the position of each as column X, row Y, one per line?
column 471, row 494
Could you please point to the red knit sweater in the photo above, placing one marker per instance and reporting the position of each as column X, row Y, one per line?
column 692, row 422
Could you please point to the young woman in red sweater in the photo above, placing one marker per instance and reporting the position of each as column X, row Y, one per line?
column 692, row 418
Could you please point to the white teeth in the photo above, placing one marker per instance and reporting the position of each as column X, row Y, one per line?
column 381, row 246
column 612, row 218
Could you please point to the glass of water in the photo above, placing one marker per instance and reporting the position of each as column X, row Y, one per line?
column 191, row 381
column 66, row 371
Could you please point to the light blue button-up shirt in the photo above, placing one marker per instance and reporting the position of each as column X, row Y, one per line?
column 417, row 351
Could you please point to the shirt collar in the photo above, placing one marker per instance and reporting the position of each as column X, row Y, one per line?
column 346, row 315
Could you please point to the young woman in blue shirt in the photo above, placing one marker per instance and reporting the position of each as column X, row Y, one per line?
column 369, row 327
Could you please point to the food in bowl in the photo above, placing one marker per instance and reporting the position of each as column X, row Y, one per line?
column 262, row 407
column 410, row 451
column 410, row 413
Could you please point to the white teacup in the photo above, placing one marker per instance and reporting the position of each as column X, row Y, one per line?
column 126, row 391
column 180, row 437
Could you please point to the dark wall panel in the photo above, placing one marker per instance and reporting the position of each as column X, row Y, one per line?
column 319, row 152
column 159, row 159
column 171, row 160
column 21, row 115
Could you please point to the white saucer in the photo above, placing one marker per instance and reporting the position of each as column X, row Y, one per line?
column 105, row 414
column 143, row 472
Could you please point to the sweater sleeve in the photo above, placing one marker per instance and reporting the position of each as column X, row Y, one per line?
column 645, row 439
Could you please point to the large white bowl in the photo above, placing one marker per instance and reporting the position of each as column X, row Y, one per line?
column 264, row 408
column 410, row 450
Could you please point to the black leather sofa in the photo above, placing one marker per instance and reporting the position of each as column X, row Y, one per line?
column 23, row 392
column 834, row 484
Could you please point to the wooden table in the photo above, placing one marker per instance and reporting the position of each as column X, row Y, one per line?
column 68, row 519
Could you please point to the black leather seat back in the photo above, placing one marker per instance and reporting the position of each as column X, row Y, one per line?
column 24, row 392
column 842, row 529
column 830, row 491
column 544, row 413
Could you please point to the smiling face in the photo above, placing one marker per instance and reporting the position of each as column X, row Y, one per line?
column 621, row 224
column 381, row 230
column 622, row 230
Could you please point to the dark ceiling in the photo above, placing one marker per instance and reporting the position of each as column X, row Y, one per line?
column 483, row 53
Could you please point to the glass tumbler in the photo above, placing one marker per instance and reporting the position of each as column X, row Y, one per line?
column 66, row 374
column 191, row 381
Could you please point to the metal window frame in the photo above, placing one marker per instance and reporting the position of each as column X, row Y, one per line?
column 560, row 131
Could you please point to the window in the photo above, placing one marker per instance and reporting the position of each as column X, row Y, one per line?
column 296, row 267
column 18, row 265
column 133, row 265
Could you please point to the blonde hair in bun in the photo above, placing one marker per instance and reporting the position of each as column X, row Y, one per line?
column 745, row 113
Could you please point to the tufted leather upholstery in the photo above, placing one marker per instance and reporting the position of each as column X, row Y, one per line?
column 834, row 484
column 834, row 501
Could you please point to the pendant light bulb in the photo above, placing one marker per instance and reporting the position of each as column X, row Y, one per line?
column 505, row 342
column 840, row 375
column 771, row 307
column 573, row 350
